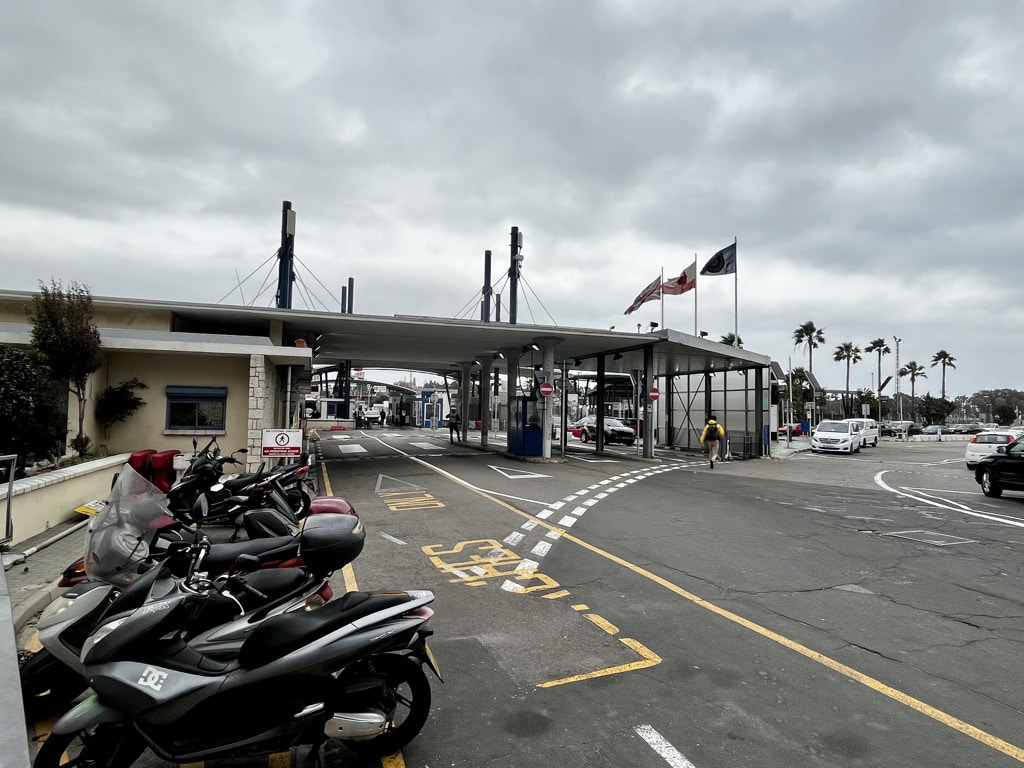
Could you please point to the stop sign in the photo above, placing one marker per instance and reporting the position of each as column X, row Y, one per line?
column 546, row 388
column 654, row 393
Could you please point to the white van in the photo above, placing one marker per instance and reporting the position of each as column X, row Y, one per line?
column 868, row 431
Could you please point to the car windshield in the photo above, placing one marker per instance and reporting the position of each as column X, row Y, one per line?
column 614, row 423
column 116, row 546
column 833, row 426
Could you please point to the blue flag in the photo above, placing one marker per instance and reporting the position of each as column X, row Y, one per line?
column 722, row 263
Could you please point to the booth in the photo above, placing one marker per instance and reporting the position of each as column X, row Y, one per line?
column 525, row 431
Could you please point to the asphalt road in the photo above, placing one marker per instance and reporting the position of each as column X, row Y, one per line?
column 813, row 611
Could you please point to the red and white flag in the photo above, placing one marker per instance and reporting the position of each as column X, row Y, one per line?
column 687, row 281
column 651, row 293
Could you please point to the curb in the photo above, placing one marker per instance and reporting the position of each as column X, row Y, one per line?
column 27, row 609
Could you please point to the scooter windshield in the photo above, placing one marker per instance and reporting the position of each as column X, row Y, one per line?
column 117, row 545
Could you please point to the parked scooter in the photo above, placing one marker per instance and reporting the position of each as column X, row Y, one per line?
column 263, row 504
column 351, row 670
column 117, row 553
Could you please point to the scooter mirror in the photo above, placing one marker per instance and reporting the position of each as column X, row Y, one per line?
column 201, row 508
column 245, row 564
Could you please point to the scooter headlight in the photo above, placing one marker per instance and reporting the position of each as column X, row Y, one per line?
column 57, row 606
column 97, row 637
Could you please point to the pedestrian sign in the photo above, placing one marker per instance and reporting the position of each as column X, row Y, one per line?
column 281, row 442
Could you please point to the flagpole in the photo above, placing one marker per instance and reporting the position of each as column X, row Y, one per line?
column 661, row 292
column 695, row 293
column 736, row 292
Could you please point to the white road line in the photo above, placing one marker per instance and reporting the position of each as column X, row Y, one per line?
column 541, row 548
column 661, row 745
column 950, row 506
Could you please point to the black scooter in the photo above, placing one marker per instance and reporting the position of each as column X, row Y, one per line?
column 350, row 671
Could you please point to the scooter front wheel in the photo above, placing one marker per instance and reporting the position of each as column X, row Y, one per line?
column 110, row 745
column 406, row 700
column 48, row 685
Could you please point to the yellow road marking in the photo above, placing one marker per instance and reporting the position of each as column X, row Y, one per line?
column 604, row 624
column 650, row 659
column 876, row 685
column 988, row 739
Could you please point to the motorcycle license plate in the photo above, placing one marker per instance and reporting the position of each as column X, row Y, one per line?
column 431, row 660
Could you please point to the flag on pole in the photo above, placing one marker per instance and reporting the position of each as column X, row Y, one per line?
column 687, row 281
column 651, row 293
column 722, row 263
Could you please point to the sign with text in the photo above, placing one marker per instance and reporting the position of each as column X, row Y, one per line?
column 281, row 442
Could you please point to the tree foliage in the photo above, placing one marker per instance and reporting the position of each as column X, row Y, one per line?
column 850, row 353
column 66, row 342
column 946, row 360
column 118, row 403
column 934, row 410
column 809, row 335
column 30, row 425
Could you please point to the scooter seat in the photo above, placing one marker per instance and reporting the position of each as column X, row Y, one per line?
column 221, row 557
column 280, row 635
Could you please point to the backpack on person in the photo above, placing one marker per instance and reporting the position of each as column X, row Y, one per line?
column 715, row 432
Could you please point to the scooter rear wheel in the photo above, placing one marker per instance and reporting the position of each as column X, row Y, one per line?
column 407, row 698
column 110, row 745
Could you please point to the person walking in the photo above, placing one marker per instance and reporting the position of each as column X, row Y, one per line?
column 453, row 425
column 712, row 437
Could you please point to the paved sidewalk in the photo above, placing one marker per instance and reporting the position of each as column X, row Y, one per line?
column 32, row 580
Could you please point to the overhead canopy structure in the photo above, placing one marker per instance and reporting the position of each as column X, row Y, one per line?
column 441, row 345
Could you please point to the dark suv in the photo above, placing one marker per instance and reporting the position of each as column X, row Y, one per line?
column 1002, row 470
column 614, row 431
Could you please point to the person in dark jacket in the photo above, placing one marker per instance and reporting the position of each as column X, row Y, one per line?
column 453, row 426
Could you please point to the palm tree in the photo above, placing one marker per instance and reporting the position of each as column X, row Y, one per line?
column 849, row 352
column 810, row 336
column 732, row 340
column 914, row 372
column 946, row 360
column 881, row 348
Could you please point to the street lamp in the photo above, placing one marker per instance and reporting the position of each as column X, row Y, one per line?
column 899, row 400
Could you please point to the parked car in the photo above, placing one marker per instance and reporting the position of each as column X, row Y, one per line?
column 868, row 431
column 986, row 443
column 885, row 429
column 576, row 427
column 793, row 430
column 1002, row 470
column 614, row 431
column 637, row 425
column 836, row 437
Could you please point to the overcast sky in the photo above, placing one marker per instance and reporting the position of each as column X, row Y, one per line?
column 867, row 156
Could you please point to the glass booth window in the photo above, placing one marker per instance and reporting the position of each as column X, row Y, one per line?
column 196, row 408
